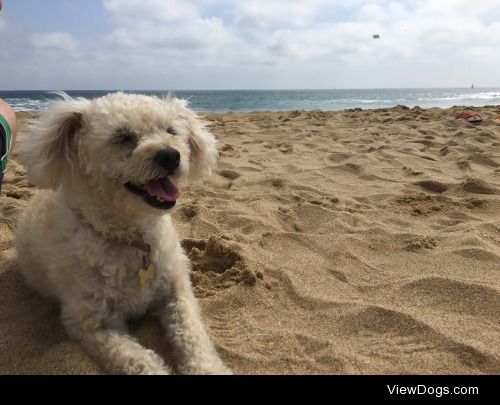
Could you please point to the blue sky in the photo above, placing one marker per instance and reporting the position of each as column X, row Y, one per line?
column 59, row 15
column 242, row 44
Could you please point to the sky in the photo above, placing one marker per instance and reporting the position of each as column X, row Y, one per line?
column 248, row 44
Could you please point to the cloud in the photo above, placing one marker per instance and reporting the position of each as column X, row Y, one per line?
column 276, row 14
column 196, row 35
column 60, row 41
column 130, row 11
column 173, row 31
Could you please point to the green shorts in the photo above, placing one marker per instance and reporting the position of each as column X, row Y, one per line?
column 5, row 145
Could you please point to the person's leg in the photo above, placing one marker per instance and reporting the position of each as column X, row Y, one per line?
column 7, row 135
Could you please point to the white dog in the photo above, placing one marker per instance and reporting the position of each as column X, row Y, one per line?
column 100, row 240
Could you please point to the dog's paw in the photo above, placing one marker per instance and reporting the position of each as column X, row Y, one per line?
column 220, row 370
column 137, row 368
column 146, row 362
column 205, row 369
column 157, row 370
column 226, row 371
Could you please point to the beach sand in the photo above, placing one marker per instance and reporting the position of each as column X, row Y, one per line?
column 350, row 242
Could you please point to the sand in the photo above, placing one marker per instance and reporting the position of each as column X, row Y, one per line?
column 351, row 242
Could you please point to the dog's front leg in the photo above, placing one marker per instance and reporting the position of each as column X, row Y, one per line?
column 114, row 349
column 180, row 317
column 179, row 314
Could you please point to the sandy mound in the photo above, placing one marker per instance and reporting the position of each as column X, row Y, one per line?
column 325, row 242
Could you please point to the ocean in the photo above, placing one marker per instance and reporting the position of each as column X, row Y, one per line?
column 278, row 100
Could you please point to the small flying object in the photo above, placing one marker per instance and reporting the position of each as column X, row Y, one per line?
column 376, row 36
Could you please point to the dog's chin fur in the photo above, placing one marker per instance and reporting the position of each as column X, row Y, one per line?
column 75, row 241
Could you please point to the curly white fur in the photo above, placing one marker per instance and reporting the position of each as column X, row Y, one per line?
column 74, row 239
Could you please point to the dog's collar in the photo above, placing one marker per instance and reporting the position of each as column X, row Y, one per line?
column 147, row 271
column 138, row 244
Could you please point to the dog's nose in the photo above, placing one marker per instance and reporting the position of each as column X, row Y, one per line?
column 168, row 158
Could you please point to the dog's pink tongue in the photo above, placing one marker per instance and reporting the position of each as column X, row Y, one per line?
column 163, row 188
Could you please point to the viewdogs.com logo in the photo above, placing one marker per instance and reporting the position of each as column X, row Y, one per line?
column 433, row 391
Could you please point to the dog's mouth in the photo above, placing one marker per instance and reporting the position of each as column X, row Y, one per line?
column 159, row 193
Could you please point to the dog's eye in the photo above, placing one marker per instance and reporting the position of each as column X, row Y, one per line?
column 125, row 137
column 171, row 131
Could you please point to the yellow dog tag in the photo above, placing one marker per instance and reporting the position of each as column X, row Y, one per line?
column 146, row 273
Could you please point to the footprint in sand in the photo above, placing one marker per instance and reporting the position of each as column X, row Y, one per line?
column 229, row 174
column 339, row 156
column 417, row 243
column 463, row 164
column 411, row 172
column 226, row 147
column 432, row 185
column 424, row 204
column 444, row 150
column 477, row 186
column 278, row 183
column 189, row 211
column 286, row 148
column 484, row 159
column 217, row 264
column 473, row 203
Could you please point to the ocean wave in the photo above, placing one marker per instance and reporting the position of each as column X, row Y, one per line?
column 27, row 104
column 488, row 95
column 371, row 101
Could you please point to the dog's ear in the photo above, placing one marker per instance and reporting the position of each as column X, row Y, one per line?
column 47, row 146
column 203, row 149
